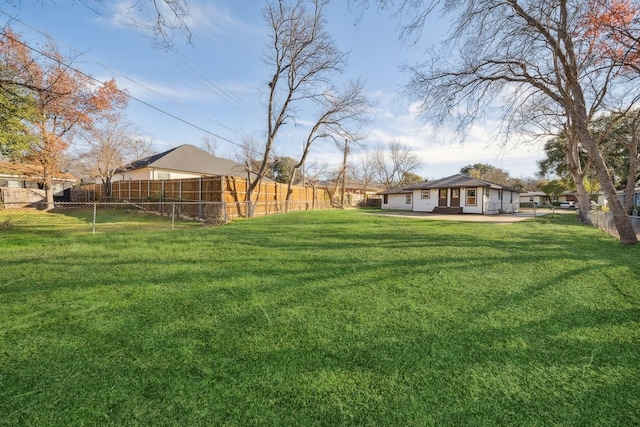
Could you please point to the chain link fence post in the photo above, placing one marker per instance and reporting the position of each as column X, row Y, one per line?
column 95, row 211
column 173, row 217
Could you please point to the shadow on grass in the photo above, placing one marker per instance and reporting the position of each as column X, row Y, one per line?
column 381, row 322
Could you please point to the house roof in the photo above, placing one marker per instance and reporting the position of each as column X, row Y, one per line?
column 30, row 172
column 397, row 190
column 452, row 181
column 190, row 159
column 349, row 183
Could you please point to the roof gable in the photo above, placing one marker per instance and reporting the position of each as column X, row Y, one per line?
column 190, row 159
column 31, row 172
column 453, row 181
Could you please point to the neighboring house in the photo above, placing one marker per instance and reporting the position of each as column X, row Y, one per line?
column 355, row 191
column 454, row 194
column 185, row 161
column 22, row 184
column 570, row 196
column 636, row 195
column 535, row 197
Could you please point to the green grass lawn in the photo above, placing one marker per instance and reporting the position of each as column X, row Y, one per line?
column 320, row 318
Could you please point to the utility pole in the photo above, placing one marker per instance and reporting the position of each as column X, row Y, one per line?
column 344, row 171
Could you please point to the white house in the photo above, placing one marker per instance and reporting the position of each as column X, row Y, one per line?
column 397, row 199
column 636, row 195
column 535, row 197
column 454, row 194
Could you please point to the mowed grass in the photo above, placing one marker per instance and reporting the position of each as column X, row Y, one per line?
column 321, row 318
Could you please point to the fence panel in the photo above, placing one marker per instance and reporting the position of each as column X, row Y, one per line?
column 604, row 221
column 269, row 197
column 112, row 217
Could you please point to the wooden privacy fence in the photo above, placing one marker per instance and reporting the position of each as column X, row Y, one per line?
column 231, row 192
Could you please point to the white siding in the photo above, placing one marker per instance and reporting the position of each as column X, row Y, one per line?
column 396, row 201
column 472, row 209
column 152, row 174
column 425, row 205
column 501, row 201
column 510, row 201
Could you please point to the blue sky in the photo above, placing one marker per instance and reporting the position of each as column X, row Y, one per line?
column 218, row 83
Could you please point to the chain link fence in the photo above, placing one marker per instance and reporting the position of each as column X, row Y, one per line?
column 604, row 221
column 127, row 216
column 95, row 218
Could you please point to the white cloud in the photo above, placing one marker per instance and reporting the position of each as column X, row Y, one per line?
column 442, row 151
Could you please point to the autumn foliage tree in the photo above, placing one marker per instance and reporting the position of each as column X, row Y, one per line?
column 611, row 28
column 63, row 101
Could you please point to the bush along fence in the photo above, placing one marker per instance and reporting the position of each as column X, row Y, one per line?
column 228, row 192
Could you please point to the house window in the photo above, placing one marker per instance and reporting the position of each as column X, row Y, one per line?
column 408, row 199
column 425, row 194
column 531, row 199
column 385, row 199
column 163, row 175
column 471, row 196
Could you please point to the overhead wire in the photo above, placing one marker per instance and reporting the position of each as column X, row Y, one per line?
column 145, row 103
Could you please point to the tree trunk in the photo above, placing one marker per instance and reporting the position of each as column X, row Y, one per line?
column 572, row 154
column 634, row 162
column 249, row 195
column 584, row 204
column 107, row 187
column 621, row 220
column 48, row 188
column 287, row 199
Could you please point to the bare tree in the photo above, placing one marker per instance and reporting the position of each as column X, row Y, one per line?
column 249, row 154
column 339, row 119
column 109, row 147
column 312, row 174
column 393, row 164
column 363, row 170
column 530, row 57
column 160, row 18
column 301, row 55
column 209, row 146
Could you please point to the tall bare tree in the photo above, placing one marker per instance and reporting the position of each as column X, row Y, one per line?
column 341, row 114
column 363, row 171
column 107, row 147
column 302, row 56
column 532, row 58
column 392, row 164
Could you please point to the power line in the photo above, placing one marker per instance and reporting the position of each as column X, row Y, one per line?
column 173, row 116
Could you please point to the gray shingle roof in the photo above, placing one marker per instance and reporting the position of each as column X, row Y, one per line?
column 190, row 159
column 452, row 181
column 397, row 190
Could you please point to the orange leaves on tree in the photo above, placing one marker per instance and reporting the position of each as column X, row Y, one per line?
column 612, row 29
column 65, row 99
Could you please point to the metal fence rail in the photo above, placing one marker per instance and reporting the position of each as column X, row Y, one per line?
column 127, row 216
column 604, row 221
